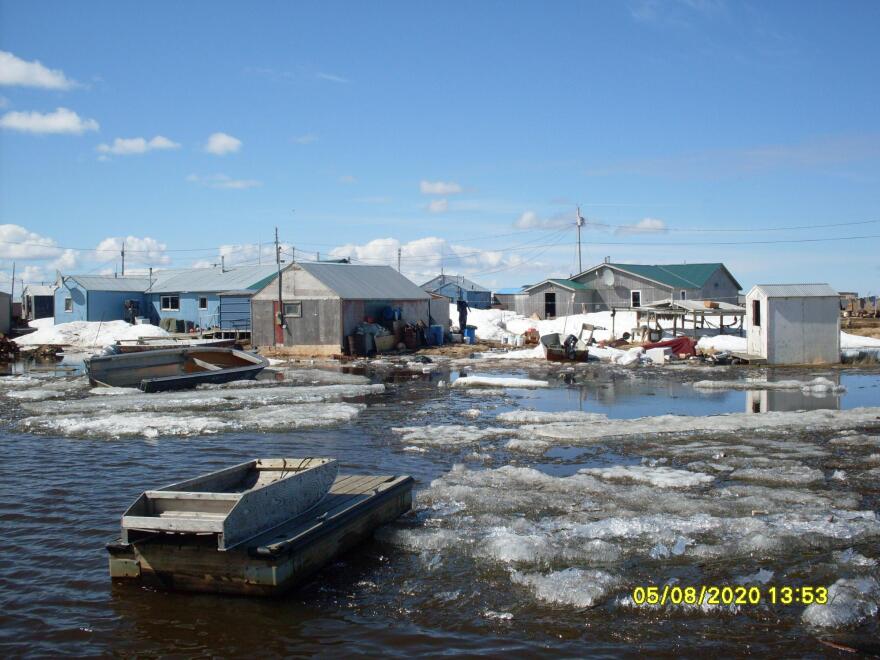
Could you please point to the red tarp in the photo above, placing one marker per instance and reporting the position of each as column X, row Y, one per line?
column 679, row 345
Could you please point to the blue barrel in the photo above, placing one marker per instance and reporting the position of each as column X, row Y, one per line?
column 470, row 335
column 436, row 333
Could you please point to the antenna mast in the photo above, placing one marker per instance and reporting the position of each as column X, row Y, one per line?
column 580, row 223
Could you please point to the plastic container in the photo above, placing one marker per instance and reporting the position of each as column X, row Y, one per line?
column 470, row 335
column 436, row 335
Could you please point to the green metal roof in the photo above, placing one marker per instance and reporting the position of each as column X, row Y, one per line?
column 684, row 276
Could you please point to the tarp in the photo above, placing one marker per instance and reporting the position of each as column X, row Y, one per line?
column 679, row 345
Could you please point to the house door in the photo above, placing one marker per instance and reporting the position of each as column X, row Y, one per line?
column 549, row 305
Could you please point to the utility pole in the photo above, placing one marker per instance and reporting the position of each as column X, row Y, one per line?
column 222, row 263
column 580, row 223
column 398, row 259
column 123, row 258
column 12, row 290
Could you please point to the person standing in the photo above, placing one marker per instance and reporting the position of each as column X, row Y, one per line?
column 462, row 314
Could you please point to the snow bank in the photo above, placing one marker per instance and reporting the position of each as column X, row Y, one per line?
column 88, row 334
column 848, row 341
column 723, row 343
column 535, row 353
column 497, row 381
column 42, row 323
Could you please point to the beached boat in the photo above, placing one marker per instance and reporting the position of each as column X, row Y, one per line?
column 257, row 529
column 235, row 504
column 570, row 350
column 162, row 343
column 174, row 369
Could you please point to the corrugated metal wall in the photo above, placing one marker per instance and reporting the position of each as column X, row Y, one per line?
column 235, row 312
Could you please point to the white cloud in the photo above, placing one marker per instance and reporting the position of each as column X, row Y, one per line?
column 222, row 181
column 221, row 144
column 643, row 226
column 347, row 178
column 16, row 71
column 305, row 138
column 138, row 250
column 438, row 206
column 66, row 261
column 138, row 145
column 528, row 220
column 16, row 242
column 60, row 121
column 423, row 258
column 331, row 77
column 439, row 188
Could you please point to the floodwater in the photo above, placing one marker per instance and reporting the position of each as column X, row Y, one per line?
column 530, row 530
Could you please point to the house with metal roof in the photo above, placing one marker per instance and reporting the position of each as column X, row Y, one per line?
column 458, row 287
column 793, row 324
column 557, row 297
column 615, row 285
column 317, row 306
column 194, row 297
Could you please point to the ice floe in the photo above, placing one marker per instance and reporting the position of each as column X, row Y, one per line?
column 498, row 381
column 817, row 385
column 662, row 477
column 849, row 602
column 573, row 586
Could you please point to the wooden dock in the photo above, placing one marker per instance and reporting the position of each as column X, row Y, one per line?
column 278, row 559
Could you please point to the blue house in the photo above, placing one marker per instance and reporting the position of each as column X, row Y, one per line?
column 457, row 287
column 198, row 297
column 97, row 297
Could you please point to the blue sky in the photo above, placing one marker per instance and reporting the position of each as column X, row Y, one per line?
column 463, row 133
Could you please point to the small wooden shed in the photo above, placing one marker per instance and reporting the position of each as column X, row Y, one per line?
column 793, row 323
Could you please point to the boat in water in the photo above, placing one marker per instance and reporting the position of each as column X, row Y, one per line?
column 174, row 369
column 160, row 343
column 234, row 505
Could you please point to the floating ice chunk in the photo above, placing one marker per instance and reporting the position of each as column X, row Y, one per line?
column 659, row 551
column 763, row 576
column 817, row 385
column 451, row 434
column 838, row 475
column 850, row 557
column 113, row 391
column 497, row 381
column 287, row 417
column 849, row 602
column 573, row 586
column 784, row 474
column 472, row 413
column 662, row 477
column 527, row 446
column 498, row 616
column 540, row 417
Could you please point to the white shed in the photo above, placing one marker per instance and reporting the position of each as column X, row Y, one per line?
column 793, row 323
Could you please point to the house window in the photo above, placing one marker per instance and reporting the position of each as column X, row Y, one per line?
column 756, row 313
column 203, row 303
column 68, row 304
column 683, row 294
column 635, row 298
column 293, row 309
column 170, row 303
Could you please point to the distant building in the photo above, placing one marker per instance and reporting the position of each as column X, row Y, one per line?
column 458, row 287
column 97, row 297
column 511, row 299
column 793, row 323
column 557, row 297
column 37, row 302
column 322, row 304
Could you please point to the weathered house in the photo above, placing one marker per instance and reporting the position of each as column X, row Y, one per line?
column 634, row 285
column 793, row 323
column 458, row 287
column 512, row 299
column 37, row 301
column 322, row 304
column 557, row 297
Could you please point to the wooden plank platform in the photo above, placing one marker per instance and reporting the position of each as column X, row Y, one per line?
column 278, row 559
column 749, row 359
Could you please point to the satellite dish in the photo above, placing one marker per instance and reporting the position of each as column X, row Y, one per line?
column 608, row 277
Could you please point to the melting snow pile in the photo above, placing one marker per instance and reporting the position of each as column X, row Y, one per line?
column 88, row 334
